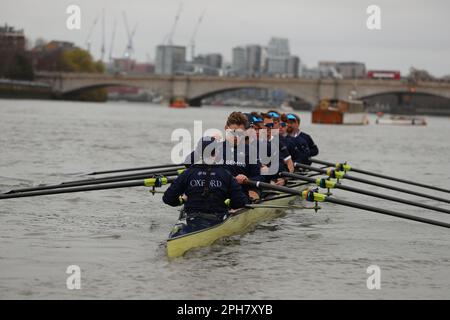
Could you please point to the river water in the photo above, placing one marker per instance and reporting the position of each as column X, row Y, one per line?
column 117, row 237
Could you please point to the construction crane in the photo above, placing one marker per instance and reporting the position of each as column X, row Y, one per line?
column 129, row 49
column 111, row 46
column 174, row 26
column 88, row 39
column 194, row 34
column 133, row 32
column 102, row 50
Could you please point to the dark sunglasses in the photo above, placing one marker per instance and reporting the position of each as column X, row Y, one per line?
column 269, row 125
column 283, row 124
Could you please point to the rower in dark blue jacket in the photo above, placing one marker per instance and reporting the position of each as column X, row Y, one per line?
column 277, row 148
column 239, row 158
column 273, row 154
column 294, row 122
column 203, row 189
column 303, row 140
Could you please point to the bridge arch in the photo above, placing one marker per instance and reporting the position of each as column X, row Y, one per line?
column 199, row 91
column 404, row 92
column 407, row 101
column 197, row 101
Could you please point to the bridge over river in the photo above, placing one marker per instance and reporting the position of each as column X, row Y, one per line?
column 195, row 88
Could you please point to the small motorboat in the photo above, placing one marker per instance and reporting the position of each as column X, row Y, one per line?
column 178, row 103
column 401, row 120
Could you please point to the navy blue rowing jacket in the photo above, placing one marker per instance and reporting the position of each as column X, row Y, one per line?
column 313, row 149
column 298, row 148
column 281, row 154
column 202, row 196
column 236, row 160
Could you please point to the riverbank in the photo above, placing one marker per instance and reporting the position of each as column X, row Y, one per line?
column 15, row 89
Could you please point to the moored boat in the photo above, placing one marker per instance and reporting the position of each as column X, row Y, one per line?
column 402, row 120
column 333, row 111
column 238, row 222
column 178, row 103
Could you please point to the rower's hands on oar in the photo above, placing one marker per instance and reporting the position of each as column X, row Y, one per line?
column 253, row 195
column 241, row 179
column 290, row 165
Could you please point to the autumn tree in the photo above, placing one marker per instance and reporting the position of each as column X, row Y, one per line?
column 79, row 60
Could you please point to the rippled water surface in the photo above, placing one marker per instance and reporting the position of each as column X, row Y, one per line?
column 117, row 236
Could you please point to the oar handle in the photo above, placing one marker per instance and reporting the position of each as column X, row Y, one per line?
column 265, row 185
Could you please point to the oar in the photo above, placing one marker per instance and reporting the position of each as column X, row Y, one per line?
column 119, row 178
column 314, row 196
column 151, row 182
column 329, row 184
column 340, row 175
column 347, row 167
column 171, row 165
column 135, row 174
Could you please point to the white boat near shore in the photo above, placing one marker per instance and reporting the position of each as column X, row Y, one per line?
column 402, row 121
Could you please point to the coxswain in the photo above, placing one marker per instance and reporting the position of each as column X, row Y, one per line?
column 204, row 188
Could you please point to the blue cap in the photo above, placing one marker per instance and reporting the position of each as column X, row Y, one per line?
column 256, row 119
column 252, row 119
column 291, row 116
column 273, row 114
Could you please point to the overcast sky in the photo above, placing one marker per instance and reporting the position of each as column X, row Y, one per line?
column 413, row 33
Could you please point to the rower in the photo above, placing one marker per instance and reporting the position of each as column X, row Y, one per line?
column 276, row 149
column 297, row 151
column 257, row 121
column 237, row 156
column 252, row 127
column 203, row 188
column 297, row 146
column 294, row 126
column 280, row 130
